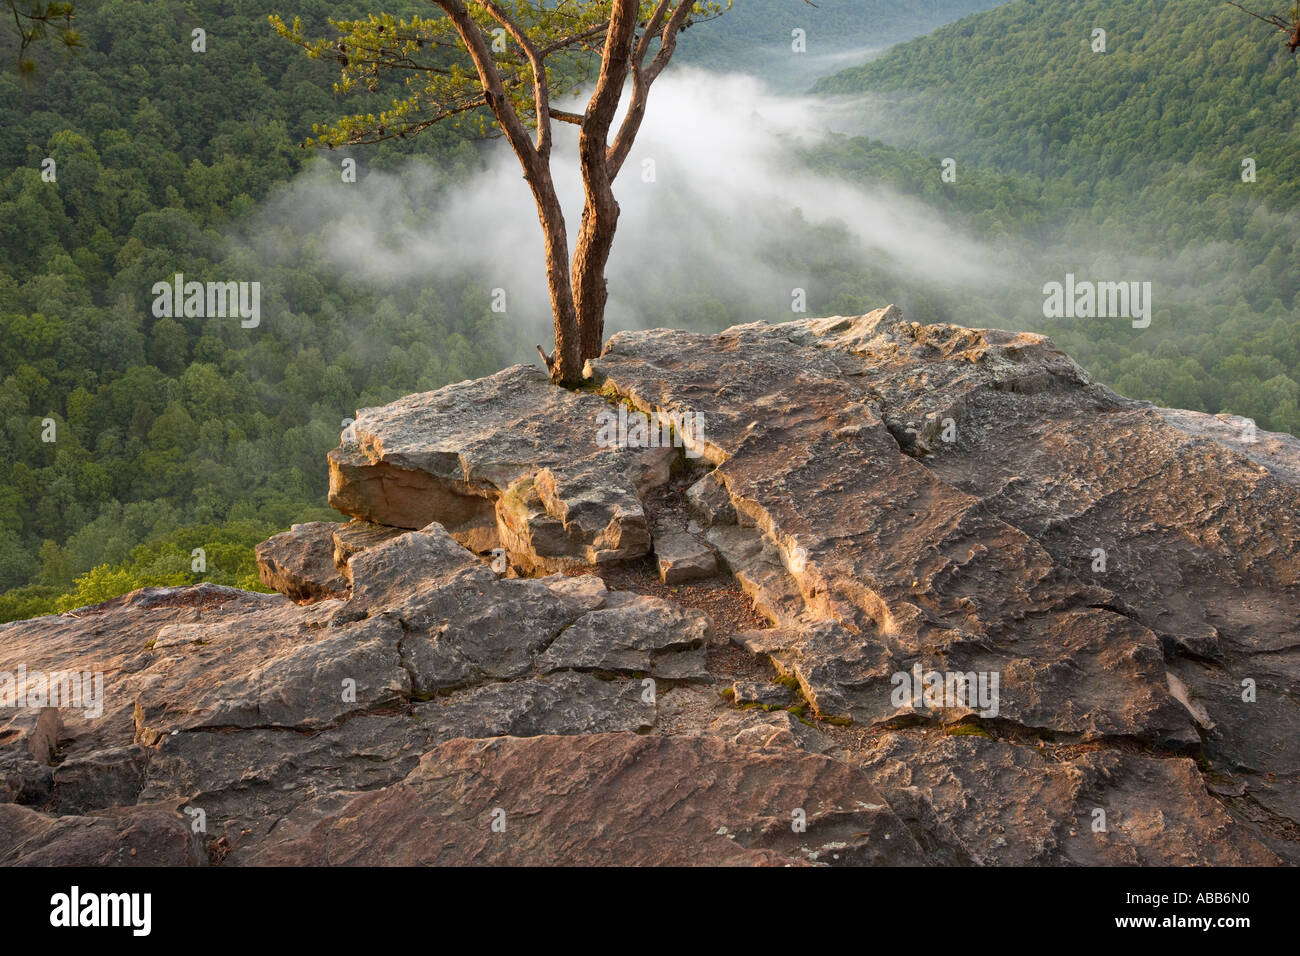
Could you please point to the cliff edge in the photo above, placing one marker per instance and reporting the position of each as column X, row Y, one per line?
column 831, row 591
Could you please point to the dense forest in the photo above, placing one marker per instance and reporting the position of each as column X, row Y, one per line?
column 179, row 433
column 1126, row 163
column 758, row 35
column 140, row 449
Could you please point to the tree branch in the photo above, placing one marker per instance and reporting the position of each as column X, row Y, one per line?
column 1279, row 22
column 669, row 42
column 564, row 44
column 547, row 360
column 493, row 90
column 380, row 133
column 643, row 77
column 541, row 89
column 1271, row 19
column 651, row 28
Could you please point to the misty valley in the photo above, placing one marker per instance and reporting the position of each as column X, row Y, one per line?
column 372, row 273
column 617, row 434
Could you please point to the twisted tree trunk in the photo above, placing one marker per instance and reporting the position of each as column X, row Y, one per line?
column 578, row 294
column 600, row 209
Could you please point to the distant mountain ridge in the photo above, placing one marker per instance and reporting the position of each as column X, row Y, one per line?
column 1020, row 87
column 1172, row 156
column 755, row 36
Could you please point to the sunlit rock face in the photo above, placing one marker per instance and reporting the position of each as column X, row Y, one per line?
column 878, row 593
column 506, row 461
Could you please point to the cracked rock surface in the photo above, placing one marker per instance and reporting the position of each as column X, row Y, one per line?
column 971, row 608
column 506, row 461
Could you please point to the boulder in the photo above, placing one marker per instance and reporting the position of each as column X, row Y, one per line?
column 509, row 461
column 682, row 556
column 299, row 563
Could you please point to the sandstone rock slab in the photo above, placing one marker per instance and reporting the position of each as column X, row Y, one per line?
column 616, row 799
column 299, row 563
column 507, row 459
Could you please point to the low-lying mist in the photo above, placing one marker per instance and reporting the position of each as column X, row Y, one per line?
column 714, row 199
column 722, row 221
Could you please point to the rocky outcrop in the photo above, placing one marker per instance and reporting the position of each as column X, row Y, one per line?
column 616, row 799
column 299, row 563
column 507, row 461
column 1012, row 618
column 249, row 707
column 122, row 836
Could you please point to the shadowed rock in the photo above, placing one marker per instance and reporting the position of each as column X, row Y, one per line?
column 616, row 799
column 299, row 563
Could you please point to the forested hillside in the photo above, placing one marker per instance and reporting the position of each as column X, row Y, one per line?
column 166, row 424
column 757, row 36
column 178, row 434
column 1129, row 161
